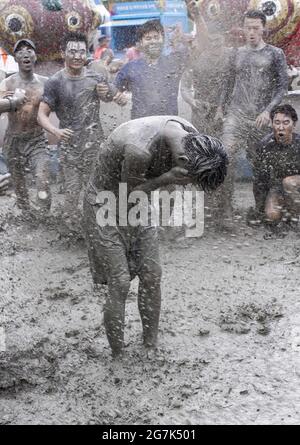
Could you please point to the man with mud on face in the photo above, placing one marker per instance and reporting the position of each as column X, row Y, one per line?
column 154, row 78
column 259, row 71
column 141, row 155
column 74, row 94
column 276, row 184
column 25, row 141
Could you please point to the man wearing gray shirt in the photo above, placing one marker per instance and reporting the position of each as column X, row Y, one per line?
column 257, row 79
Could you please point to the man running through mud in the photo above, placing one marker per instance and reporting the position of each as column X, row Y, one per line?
column 25, row 141
column 74, row 94
column 276, row 184
column 145, row 154
column 260, row 78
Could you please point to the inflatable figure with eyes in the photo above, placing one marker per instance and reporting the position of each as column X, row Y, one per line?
column 283, row 21
column 45, row 22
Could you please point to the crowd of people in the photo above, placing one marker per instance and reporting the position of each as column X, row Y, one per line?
column 236, row 99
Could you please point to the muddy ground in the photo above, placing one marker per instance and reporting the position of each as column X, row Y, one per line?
column 229, row 333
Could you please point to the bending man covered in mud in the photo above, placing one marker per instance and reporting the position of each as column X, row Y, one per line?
column 74, row 93
column 25, row 141
column 144, row 154
column 276, row 184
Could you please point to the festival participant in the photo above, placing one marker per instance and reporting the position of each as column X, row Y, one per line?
column 276, row 184
column 260, row 78
column 74, row 94
column 144, row 154
column 25, row 141
column 153, row 79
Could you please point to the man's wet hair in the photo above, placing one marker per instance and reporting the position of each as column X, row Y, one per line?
column 286, row 109
column 74, row 37
column 256, row 14
column 149, row 26
column 207, row 160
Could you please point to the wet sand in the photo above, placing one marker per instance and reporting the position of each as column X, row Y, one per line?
column 229, row 337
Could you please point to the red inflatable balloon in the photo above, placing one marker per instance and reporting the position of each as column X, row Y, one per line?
column 45, row 22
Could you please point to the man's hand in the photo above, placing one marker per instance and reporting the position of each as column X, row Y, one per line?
column 178, row 175
column 120, row 99
column 102, row 90
column 64, row 134
column 193, row 8
column 263, row 119
column 4, row 183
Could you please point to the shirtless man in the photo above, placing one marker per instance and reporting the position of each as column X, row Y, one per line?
column 74, row 94
column 146, row 154
column 260, row 78
column 25, row 142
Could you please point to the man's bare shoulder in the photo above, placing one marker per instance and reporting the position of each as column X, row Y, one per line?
column 10, row 82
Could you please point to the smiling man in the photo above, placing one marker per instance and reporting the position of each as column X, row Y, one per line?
column 74, row 94
column 277, row 169
column 25, row 141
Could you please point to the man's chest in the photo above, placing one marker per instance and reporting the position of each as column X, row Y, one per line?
column 254, row 63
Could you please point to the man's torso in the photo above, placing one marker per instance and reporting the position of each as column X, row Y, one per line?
column 24, row 120
column 75, row 100
column 255, row 80
column 279, row 160
column 154, row 87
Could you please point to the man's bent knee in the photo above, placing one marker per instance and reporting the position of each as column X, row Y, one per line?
column 290, row 183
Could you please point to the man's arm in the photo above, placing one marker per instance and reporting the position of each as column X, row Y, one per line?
column 135, row 167
column 201, row 39
column 11, row 101
column 282, row 81
column 44, row 121
column 280, row 87
column 122, row 79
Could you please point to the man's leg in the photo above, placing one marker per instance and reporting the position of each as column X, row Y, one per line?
column 291, row 186
column 109, row 264
column 15, row 163
column 233, row 140
column 149, row 294
column 73, row 183
column 274, row 207
column 40, row 163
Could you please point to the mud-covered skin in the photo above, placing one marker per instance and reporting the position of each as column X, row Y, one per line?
column 274, row 163
column 137, row 154
column 260, row 82
column 25, row 118
column 25, row 142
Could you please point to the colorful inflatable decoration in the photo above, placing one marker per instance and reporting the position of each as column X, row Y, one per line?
column 45, row 22
column 283, row 21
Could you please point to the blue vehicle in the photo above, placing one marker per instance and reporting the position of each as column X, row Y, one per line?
column 127, row 16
